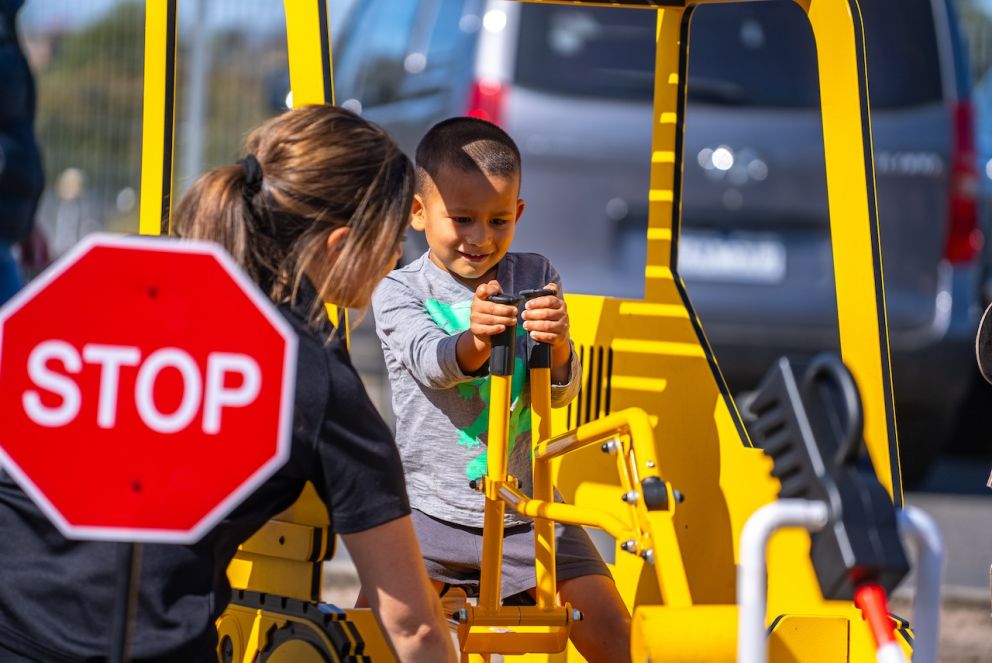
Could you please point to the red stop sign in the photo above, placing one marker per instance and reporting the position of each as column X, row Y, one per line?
column 146, row 388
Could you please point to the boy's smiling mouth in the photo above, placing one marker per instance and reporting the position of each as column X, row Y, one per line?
column 474, row 257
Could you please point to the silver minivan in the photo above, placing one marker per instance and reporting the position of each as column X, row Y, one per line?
column 573, row 86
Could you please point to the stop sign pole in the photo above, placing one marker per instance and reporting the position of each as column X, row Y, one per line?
column 146, row 389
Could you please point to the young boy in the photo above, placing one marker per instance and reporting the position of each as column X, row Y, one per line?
column 435, row 321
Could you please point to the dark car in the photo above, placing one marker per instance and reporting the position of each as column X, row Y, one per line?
column 573, row 85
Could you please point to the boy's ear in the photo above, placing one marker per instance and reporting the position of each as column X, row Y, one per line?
column 417, row 213
column 521, row 204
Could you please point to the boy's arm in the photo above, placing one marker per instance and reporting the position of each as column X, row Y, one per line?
column 407, row 332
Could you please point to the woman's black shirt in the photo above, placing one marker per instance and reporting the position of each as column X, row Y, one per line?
column 56, row 595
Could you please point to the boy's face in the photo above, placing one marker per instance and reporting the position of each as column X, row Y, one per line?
column 469, row 219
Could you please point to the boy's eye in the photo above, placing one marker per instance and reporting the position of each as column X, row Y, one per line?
column 499, row 222
column 461, row 219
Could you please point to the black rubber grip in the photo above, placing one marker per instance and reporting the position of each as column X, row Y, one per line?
column 502, row 355
column 540, row 353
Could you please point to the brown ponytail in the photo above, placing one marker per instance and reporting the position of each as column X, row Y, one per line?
column 322, row 167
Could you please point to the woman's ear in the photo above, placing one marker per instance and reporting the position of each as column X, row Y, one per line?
column 335, row 239
column 417, row 213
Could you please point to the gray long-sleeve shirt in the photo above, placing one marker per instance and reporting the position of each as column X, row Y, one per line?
column 442, row 414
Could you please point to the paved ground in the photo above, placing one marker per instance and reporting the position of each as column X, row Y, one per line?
column 965, row 629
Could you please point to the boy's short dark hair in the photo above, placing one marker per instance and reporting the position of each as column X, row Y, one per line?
column 467, row 144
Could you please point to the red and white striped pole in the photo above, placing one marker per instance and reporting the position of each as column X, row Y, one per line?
column 870, row 598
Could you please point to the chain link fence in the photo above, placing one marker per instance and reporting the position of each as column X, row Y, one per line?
column 88, row 59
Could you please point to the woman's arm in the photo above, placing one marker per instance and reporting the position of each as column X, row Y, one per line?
column 397, row 588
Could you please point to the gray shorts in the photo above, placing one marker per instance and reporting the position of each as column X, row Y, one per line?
column 453, row 554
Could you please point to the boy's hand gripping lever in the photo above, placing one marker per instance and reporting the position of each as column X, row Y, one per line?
column 812, row 427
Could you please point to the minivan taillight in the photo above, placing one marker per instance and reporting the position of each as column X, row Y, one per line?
column 486, row 100
column 964, row 237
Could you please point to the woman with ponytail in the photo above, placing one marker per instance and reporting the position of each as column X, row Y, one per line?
column 314, row 214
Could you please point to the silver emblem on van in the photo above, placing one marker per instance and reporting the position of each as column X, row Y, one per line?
column 909, row 164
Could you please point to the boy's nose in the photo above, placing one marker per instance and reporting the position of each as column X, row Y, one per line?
column 478, row 237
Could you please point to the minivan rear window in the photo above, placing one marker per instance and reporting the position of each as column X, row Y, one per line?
column 763, row 54
column 587, row 51
column 746, row 54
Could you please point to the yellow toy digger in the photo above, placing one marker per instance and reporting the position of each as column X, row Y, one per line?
column 655, row 423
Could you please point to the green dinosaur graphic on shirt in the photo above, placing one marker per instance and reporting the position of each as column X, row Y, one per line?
column 454, row 319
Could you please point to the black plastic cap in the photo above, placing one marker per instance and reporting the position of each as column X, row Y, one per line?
column 655, row 494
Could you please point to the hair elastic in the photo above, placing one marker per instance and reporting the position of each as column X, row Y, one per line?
column 253, row 177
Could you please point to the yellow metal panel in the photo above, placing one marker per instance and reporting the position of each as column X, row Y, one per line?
column 659, row 347
column 158, row 116
column 704, row 634
column 308, row 509
column 518, row 640
column 854, row 231
column 239, row 572
column 809, row 638
column 285, row 539
column 308, row 40
column 276, row 576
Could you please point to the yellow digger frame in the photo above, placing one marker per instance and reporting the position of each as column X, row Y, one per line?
column 649, row 377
